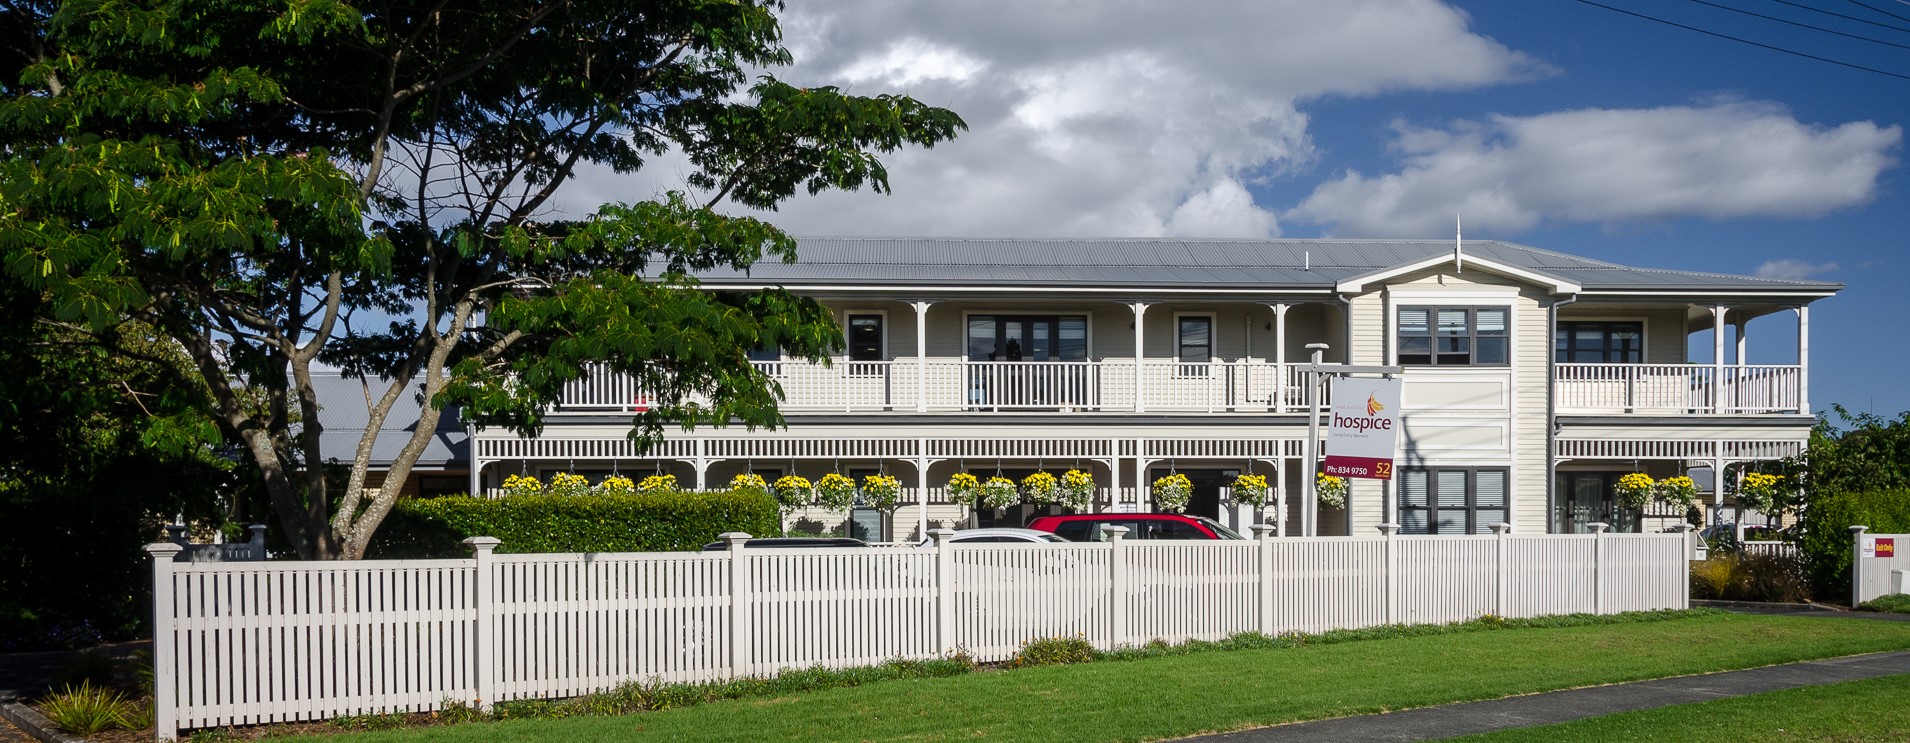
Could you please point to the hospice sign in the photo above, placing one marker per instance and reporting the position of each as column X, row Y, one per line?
column 1363, row 430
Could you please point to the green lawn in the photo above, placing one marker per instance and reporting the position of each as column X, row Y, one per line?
column 1850, row 711
column 1184, row 695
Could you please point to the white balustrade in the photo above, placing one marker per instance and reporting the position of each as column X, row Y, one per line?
column 1677, row 389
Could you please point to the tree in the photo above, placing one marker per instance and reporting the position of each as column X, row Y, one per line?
column 273, row 185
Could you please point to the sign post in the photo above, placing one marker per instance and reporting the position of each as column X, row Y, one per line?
column 1317, row 372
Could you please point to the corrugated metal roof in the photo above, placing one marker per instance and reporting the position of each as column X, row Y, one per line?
column 344, row 410
column 1168, row 262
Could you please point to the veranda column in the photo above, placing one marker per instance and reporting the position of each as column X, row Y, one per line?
column 1738, row 378
column 1140, row 397
column 1804, row 360
column 921, row 359
column 1280, row 356
column 1717, row 358
column 921, row 488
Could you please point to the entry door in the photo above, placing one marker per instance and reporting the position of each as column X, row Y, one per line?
column 865, row 345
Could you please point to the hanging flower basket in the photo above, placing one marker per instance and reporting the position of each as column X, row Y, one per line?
column 962, row 488
column 1250, row 490
column 616, row 485
column 835, row 492
column 1077, row 489
column 999, row 492
column 881, row 491
column 1171, row 493
column 1635, row 490
column 565, row 483
column 1042, row 488
column 1678, row 491
column 522, row 485
column 793, row 491
column 657, row 484
column 1331, row 490
column 749, row 484
column 1758, row 492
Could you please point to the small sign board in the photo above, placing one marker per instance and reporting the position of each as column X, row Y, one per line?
column 1362, row 432
column 1880, row 547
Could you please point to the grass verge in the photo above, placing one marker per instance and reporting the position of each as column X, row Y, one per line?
column 1170, row 695
column 1851, row 711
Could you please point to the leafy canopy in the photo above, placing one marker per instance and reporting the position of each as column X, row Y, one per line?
column 375, row 186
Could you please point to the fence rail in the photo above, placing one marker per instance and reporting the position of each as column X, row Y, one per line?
column 249, row 643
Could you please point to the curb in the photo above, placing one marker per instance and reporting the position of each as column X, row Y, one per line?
column 1766, row 605
column 31, row 722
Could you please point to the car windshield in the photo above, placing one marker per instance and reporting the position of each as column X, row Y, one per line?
column 1224, row 532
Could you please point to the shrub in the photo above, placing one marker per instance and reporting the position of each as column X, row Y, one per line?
column 87, row 709
column 1054, row 651
column 1824, row 532
column 635, row 522
column 1746, row 577
column 1895, row 603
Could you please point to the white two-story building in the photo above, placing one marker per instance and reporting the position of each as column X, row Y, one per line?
column 1533, row 379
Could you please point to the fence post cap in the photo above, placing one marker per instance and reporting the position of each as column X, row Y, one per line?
column 1263, row 531
column 941, row 534
column 1684, row 527
column 164, row 550
column 1859, row 529
column 1502, row 528
column 482, row 544
column 1388, row 528
column 1114, row 532
column 1598, row 527
column 737, row 539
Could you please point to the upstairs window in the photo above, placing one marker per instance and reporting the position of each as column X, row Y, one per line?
column 1454, row 336
column 1600, row 343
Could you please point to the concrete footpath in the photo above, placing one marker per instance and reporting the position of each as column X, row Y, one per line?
column 1468, row 718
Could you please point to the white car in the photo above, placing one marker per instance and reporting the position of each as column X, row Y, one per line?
column 998, row 535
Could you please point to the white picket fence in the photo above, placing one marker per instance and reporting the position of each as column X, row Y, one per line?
column 250, row 643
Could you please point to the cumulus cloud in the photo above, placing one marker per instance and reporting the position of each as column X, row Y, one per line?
column 1138, row 119
column 1789, row 268
column 1510, row 173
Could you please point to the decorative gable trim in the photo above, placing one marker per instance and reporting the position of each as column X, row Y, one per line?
column 1555, row 284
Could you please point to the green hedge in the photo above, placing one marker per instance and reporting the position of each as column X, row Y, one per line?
column 1825, row 540
column 641, row 522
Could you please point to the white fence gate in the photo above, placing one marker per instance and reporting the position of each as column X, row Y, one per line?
column 249, row 643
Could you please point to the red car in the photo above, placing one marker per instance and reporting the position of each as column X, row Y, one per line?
column 1086, row 527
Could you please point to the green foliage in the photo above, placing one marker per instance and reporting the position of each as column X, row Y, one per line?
column 1824, row 539
column 1895, row 603
column 632, row 522
column 1750, row 577
column 369, row 722
column 87, row 709
column 200, row 168
column 1054, row 651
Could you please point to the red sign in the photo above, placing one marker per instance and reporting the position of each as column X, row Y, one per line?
column 1886, row 547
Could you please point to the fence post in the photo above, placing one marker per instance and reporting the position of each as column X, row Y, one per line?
column 1684, row 532
column 1117, row 586
column 1856, row 564
column 1263, row 543
column 1391, row 531
column 1502, row 600
column 944, row 591
column 1598, row 565
column 165, row 675
column 739, row 601
column 484, row 661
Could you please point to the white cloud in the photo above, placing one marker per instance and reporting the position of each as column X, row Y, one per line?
column 1140, row 118
column 1509, row 173
column 1789, row 268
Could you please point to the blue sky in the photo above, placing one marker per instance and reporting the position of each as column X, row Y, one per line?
column 1551, row 123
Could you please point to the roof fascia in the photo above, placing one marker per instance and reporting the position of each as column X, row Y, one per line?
column 1557, row 285
column 1013, row 289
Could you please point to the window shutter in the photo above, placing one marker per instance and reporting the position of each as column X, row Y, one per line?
column 1412, row 488
column 1452, row 322
column 1451, row 488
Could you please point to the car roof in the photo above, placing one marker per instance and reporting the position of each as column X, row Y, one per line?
column 791, row 542
column 1003, row 531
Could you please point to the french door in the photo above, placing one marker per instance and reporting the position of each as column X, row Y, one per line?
column 1005, row 354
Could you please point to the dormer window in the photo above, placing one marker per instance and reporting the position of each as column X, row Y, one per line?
column 1454, row 336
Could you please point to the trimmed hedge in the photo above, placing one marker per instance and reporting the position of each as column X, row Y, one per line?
column 1825, row 532
column 636, row 522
